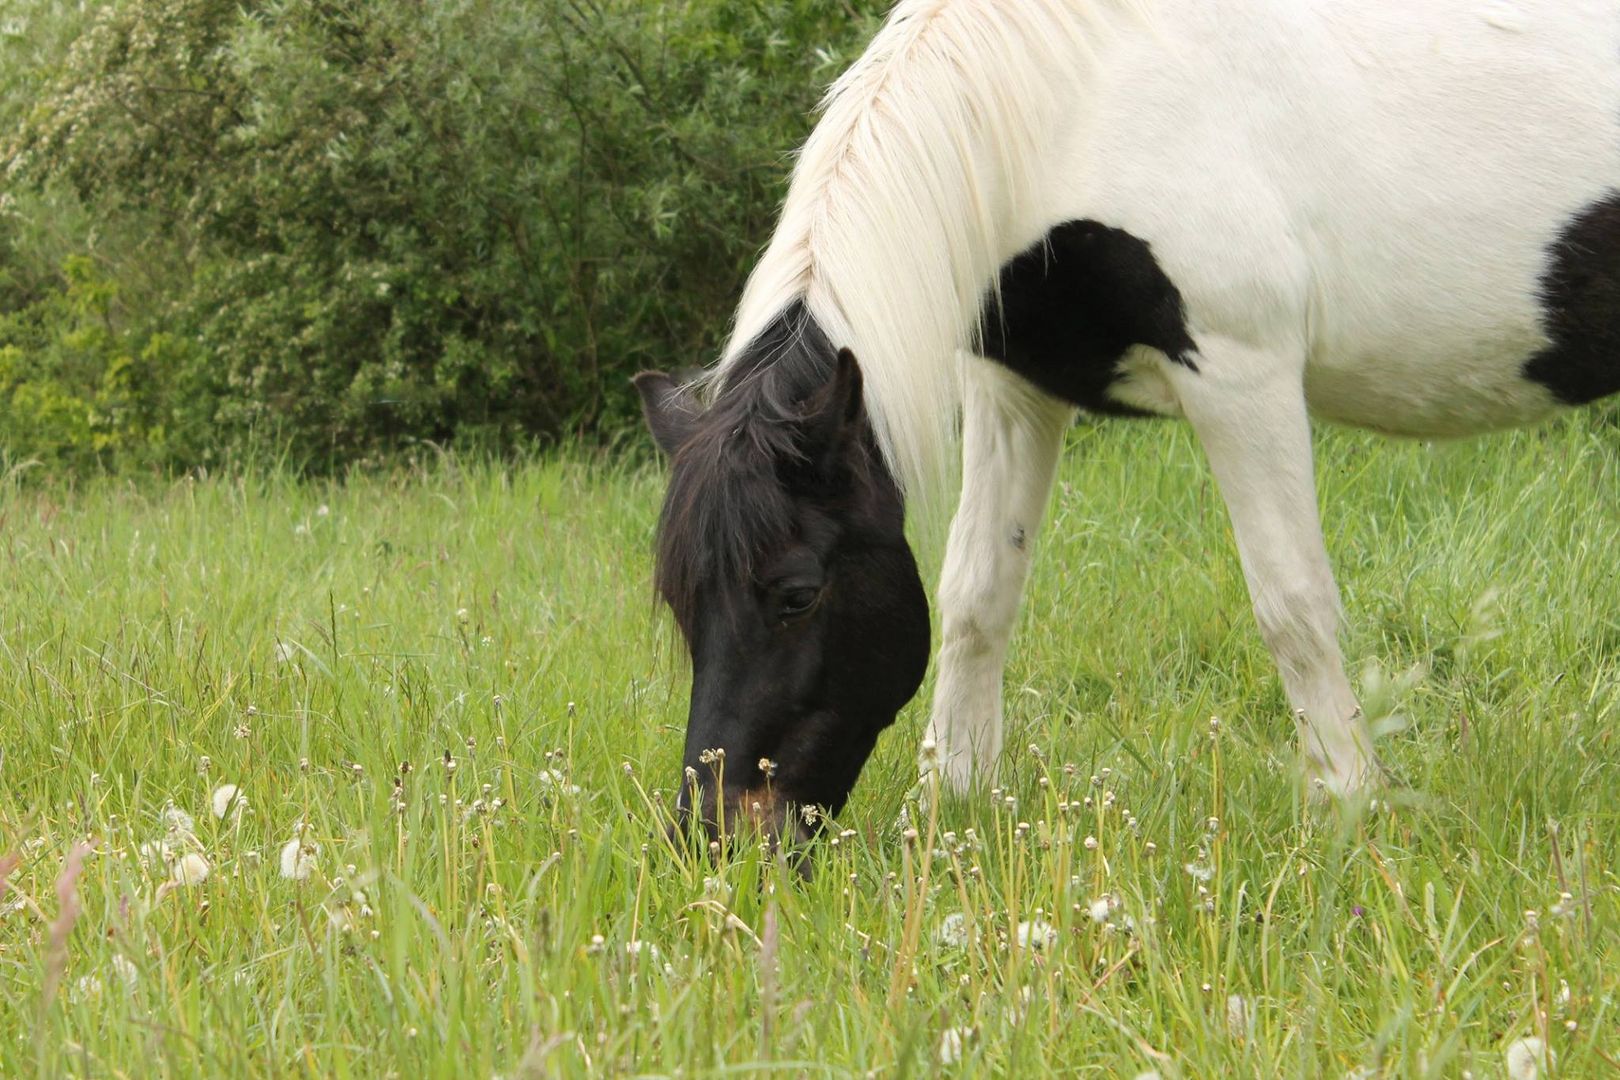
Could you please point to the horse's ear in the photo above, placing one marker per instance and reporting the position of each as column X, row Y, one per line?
column 834, row 412
column 670, row 409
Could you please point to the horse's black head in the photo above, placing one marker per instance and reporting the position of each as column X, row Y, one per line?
column 782, row 552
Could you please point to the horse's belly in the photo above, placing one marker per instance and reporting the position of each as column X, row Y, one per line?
column 1417, row 391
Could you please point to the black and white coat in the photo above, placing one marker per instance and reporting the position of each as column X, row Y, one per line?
column 1245, row 213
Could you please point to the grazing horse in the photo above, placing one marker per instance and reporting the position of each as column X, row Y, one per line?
column 1401, row 216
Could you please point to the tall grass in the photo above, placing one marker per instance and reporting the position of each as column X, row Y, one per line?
column 448, row 701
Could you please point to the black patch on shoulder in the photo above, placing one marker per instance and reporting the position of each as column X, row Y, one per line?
column 1580, row 308
column 1074, row 303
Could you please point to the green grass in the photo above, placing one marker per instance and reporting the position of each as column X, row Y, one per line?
column 310, row 643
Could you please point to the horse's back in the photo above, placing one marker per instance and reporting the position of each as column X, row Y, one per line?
column 1418, row 201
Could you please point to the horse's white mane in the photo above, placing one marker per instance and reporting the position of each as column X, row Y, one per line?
column 911, row 193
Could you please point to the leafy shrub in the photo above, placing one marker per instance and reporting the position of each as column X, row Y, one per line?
column 354, row 223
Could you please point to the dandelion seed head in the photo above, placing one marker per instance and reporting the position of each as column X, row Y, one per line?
column 298, row 857
column 1036, row 934
column 177, row 823
column 953, row 931
column 1524, row 1058
column 227, row 797
column 86, row 988
column 190, row 869
column 952, row 1041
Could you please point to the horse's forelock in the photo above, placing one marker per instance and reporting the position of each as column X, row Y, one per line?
column 727, row 501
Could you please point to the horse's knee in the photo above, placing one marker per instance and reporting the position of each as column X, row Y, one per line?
column 1298, row 621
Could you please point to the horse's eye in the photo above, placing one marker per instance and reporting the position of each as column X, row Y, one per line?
column 796, row 602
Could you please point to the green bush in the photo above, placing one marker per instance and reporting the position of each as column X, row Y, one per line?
column 353, row 224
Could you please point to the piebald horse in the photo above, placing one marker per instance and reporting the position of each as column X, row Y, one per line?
column 1244, row 213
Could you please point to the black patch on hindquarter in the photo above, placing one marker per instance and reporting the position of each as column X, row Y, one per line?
column 1074, row 303
column 1580, row 304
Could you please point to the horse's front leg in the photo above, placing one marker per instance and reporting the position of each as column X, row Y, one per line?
column 1247, row 406
column 1011, row 436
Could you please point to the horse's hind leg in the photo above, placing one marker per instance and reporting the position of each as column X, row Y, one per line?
column 1247, row 406
column 1011, row 436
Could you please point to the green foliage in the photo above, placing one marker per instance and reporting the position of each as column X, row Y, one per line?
column 373, row 222
column 76, row 391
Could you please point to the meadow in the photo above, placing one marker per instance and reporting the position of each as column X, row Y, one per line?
column 365, row 779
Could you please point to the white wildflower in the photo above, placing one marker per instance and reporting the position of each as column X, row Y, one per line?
column 951, row 1044
column 636, row 949
column 125, row 970
column 298, row 858
column 552, row 780
column 191, row 869
column 1525, row 1058
column 953, row 931
column 1036, row 934
column 227, row 798
column 1015, row 1012
column 1101, row 908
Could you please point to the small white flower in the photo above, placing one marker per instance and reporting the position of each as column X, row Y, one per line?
column 1101, row 908
column 125, row 970
column 552, row 780
column 953, row 931
column 1237, row 1016
column 191, row 869
column 226, row 798
column 951, row 1043
column 637, row 949
column 87, row 987
column 298, row 858
column 1035, row 934
column 1525, row 1058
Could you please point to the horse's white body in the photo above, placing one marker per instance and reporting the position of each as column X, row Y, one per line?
column 1355, row 198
